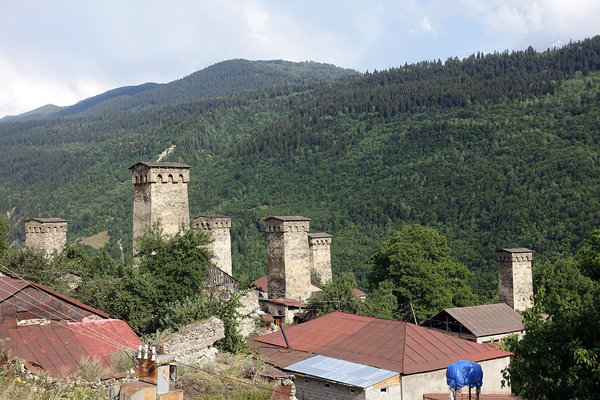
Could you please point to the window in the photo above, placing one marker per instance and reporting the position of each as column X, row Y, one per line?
column 352, row 390
column 383, row 390
column 327, row 385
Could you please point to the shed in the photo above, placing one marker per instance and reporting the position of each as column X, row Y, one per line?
column 481, row 324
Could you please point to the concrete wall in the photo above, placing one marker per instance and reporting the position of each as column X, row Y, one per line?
column 47, row 235
column 414, row 386
column 515, row 282
column 160, row 194
column 288, row 257
column 384, row 392
column 320, row 254
column 219, row 227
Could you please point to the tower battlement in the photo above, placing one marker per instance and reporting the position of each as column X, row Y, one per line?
column 515, row 282
column 219, row 228
column 46, row 234
column 160, row 194
column 320, row 254
column 288, row 257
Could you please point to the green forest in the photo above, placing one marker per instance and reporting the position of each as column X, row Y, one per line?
column 494, row 150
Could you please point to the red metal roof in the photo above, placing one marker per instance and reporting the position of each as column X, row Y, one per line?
column 10, row 286
column 489, row 319
column 59, row 346
column 393, row 345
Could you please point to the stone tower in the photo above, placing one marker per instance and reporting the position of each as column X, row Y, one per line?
column 160, row 194
column 46, row 234
column 320, row 255
column 219, row 227
column 515, row 282
column 288, row 257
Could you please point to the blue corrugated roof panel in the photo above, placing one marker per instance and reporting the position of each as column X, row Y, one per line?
column 341, row 371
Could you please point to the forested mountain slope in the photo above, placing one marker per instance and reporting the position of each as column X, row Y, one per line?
column 497, row 150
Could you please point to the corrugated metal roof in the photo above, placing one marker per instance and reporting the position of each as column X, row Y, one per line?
column 393, row 345
column 59, row 346
column 10, row 286
column 485, row 320
column 341, row 371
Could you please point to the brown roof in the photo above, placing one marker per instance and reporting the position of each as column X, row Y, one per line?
column 160, row 165
column 485, row 320
column 262, row 285
column 286, row 302
column 289, row 218
column 10, row 286
column 393, row 345
column 59, row 346
column 47, row 220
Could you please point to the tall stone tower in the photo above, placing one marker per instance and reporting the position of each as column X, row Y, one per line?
column 515, row 282
column 288, row 257
column 219, row 227
column 320, row 254
column 46, row 234
column 160, row 194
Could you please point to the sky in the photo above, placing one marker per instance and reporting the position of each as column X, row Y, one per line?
column 62, row 51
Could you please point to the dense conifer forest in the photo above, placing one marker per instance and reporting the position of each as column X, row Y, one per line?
column 494, row 150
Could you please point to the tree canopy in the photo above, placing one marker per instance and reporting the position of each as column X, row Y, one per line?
column 416, row 262
column 559, row 356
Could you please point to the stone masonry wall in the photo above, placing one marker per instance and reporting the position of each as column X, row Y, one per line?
column 288, row 257
column 160, row 194
column 46, row 234
column 193, row 343
column 320, row 244
column 219, row 227
column 515, row 286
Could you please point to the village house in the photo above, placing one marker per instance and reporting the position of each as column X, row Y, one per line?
column 55, row 333
column 347, row 356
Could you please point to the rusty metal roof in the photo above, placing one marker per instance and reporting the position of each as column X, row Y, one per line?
column 485, row 320
column 10, row 286
column 388, row 344
column 59, row 346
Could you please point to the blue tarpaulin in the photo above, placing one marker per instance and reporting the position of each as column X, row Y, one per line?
column 464, row 373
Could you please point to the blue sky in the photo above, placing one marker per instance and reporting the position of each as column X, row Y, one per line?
column 63, row 51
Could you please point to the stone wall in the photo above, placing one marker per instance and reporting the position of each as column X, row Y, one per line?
column 249, row 312
column 219, row 227
column 46, row 234
column 320, row 254
column 288, row 257
column 193, row 343
column 317, row 389
column 160, row 194
column 515, row 282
